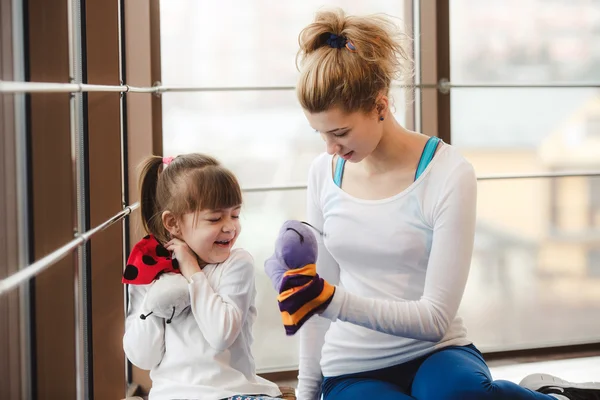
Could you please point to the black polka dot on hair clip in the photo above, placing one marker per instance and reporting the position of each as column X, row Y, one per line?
column 148, row 260
column 146, row 237
column 131, row 272
column 175, row 263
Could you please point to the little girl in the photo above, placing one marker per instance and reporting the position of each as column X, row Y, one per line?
column 191, row 205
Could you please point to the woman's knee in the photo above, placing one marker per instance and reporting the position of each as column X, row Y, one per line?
column 364, row 389
column 452, row 374
column 481, row 390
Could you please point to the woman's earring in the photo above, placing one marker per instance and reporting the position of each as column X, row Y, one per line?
column 381, row 118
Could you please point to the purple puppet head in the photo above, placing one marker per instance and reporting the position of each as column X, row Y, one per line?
column 296, row 244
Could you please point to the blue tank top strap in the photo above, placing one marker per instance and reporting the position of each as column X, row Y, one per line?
column 427, row 155
column 339, row 171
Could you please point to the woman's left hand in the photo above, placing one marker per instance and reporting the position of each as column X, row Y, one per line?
column 186, row 258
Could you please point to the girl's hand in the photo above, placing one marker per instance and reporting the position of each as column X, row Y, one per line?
column 188, row 262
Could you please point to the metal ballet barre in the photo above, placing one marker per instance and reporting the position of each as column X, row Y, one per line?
column 443, row 86
column 32, row 270
column 45, row 262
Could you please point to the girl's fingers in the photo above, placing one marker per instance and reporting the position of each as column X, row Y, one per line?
column 173, row 242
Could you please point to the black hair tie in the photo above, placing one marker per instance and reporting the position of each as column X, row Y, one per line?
column 338, row 42
column 335, row 41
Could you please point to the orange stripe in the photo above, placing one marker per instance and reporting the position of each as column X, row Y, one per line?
column 308, row 269
column 294, row 318
column 284, row 295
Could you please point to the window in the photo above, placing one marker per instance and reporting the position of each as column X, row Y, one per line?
column 520, row 267
column 262, row 136
column 531, row 251
column 522, row 42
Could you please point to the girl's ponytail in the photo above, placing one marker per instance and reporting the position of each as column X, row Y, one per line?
column 151, row 218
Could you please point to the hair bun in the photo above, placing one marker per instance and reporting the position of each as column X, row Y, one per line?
column 353, row 79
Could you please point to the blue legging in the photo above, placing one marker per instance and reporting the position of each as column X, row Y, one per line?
column 453, row 373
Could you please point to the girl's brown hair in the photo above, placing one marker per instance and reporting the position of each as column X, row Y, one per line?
column 191, row 182
column 346, row 78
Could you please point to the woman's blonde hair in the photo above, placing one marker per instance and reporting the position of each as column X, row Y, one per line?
column 352, row 76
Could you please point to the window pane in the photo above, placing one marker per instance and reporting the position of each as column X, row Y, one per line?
column 243, row 43
column 534, row 277
column 534, row 265
column 263, row 137
column 527, row 130
column 525, row 41
column 262, row 217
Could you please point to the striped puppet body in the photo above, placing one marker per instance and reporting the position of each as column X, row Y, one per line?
column 302, row 293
